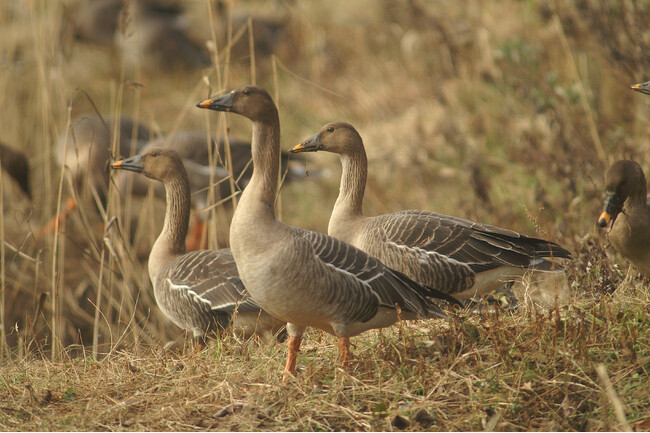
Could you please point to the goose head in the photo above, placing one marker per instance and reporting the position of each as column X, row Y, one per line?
column 624, row 178
column 337, row 137
column 249, row 101
column 642, row 87
column 155, row 163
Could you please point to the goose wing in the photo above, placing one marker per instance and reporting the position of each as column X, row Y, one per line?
column 368, row 283
column 212, row 276
column 480, row 246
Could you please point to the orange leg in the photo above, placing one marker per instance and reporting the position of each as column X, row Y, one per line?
column 195, row 239
column 60, row 219
column 344, row 350
column 293, row 346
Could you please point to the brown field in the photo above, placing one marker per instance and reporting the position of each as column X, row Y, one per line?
column 505, row 112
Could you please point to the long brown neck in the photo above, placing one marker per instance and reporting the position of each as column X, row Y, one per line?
column 263, row 186
column 353, row 183
column 171, row 241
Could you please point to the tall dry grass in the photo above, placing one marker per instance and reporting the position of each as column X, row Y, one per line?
column 508, row 113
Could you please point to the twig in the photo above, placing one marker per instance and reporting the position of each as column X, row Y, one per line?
column 619, row 411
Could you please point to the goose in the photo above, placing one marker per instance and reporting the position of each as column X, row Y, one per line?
column 15, row 163
column 304, row 277
column 200, row 291
column 626, row 208
column 154, row 36
column 85, row 149
column 457, row 256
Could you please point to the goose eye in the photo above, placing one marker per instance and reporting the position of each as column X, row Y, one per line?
column 330, row 129
column 247, row 91
column 154, row 154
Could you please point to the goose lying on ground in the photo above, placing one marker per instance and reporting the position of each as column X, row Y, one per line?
column 15, row 163
column 199, row 291
column 626, row 207
column 300, row 276
column 457, row 256
column 85, row 149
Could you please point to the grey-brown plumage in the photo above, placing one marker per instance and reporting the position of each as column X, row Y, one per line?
column 16, row 165
column 304, row 277
column 199, row 291
column 626, row 207
column 460, row 257
column 86, row 148
column 155, row 38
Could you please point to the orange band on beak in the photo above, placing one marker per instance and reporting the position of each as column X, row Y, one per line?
column 604, row 217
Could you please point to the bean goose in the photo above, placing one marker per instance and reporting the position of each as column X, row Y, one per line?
column 15, row 164
column 457, row 256
column 153, row 35
column 626, row 207
column 199, row 291
column 304, row 277
column 85, row 149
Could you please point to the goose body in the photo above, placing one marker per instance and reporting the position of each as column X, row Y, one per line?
column 627, row 209
column 458, row 256
column 303, row 277
column 89, row 144
column 199, row 291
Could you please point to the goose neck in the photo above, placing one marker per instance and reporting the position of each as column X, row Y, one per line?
column 265, row 147
column 353, row 183
column 171, row 241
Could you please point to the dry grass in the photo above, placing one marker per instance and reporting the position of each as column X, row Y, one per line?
column 505, row 112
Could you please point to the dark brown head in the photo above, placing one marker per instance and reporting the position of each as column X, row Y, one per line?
column 642, row 87
column 337, row 137
column 15, row 163
column 156, row 163
column 249, row 101
column 624, row 179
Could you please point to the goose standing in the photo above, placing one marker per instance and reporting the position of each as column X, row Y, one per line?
column 626, row 207
column 300, row 276
column 199, row 291
column 457, row 256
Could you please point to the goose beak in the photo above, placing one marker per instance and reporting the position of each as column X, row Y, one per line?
column 642, row 87
column 309, row 145
column 131, row 164
column 612, row 207
column 220, row 103
column 604, row 219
